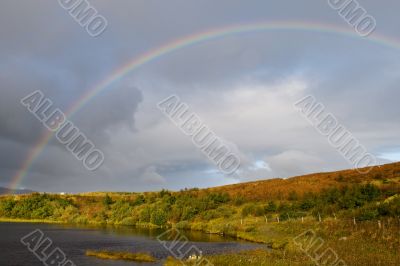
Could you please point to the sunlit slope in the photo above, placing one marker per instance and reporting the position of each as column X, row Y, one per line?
column 275, row 189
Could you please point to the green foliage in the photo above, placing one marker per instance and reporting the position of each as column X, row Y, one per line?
column 331, row 196
column 120, row 210
column 390, row 208
column 189, row 213
column 307, row 204
column 271, row 207
column 139, row 200
column 107, row 200
column 367, row 214
column 370, row 192
column 211, row 214
column 284, row 207
column 357, row 196
column 159, row 217
column 163, row 193
column 145, row 215
column 252, row 209
column 239, row 200
column 219, row 197
column 366, row 202
column 6, row 207
column 221, row 212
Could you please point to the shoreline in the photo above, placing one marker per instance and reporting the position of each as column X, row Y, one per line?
column 33, row 221
column 238, row 237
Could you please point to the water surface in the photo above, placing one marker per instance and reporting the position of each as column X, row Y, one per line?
column 75, row 240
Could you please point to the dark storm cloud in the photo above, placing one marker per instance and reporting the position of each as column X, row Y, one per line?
column 242, row 86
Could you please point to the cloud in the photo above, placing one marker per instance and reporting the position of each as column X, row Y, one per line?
column 292, row 162
column 150, row 176
column 242, row 86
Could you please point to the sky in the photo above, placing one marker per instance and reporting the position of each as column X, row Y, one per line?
column 242, row 86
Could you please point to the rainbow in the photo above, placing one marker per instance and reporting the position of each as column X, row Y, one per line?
column 185, row 42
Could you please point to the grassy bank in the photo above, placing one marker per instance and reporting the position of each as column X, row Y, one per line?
column 357, row 243
column 363, row 243
column 18, row 220
column 119, row 255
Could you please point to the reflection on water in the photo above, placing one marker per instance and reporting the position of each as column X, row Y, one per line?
column 120, row 230
column 75, row 240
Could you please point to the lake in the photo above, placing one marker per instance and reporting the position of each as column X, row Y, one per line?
column 75, row 240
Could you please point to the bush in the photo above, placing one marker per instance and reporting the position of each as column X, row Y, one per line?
column 120, row 210
column 271, row 207
column 219, row 198
column 189, row 213
column 183, row 225
column 367, row 214
column 252, row 209
column 158, row 217
column 139, row 200
column 6, row 207
column 211, row 214
column 239, row 200
column 370, row 192
column 145, row 215
column 307, row 204
column 129, row 221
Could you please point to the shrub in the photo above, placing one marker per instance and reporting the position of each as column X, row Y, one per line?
column 107, row 200
column 271, row 207
column 252, row 209
column 367, row 214
column 183, row 225
column 158, row 217
column 139, row 200
column 239, row 200
column 145, row 215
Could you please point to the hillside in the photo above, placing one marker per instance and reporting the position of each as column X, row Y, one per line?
column 387, row 175
column 342, row 192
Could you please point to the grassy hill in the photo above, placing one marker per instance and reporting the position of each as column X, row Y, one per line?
column 384, row 176
column 326, row 193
